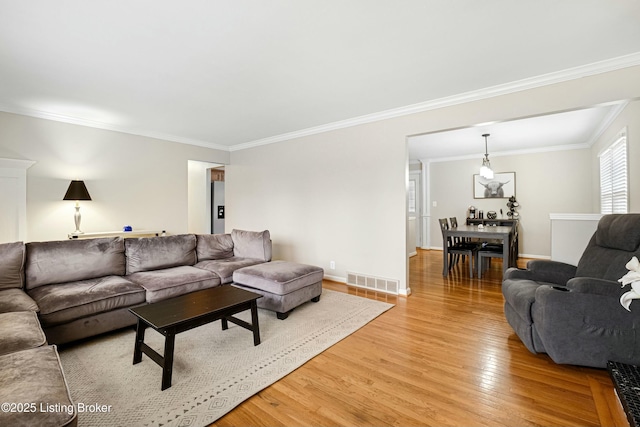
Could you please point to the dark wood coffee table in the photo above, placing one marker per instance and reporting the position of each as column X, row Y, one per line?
column 184, row 312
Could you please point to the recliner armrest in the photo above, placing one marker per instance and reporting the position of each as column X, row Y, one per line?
column 584, row 328
column 544, row 271
column 517, row 273
column 592, row 285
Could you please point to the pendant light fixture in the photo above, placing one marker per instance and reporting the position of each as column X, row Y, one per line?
column 485, row 170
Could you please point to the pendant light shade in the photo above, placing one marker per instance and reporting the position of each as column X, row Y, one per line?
column 485, row 170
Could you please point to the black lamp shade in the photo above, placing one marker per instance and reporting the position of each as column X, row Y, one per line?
column 77, row 191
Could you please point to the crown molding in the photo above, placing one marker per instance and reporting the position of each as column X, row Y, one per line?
column 549, row 149
column 15, row 163
column 489, row 92
column 39, row 114
column 613, row 114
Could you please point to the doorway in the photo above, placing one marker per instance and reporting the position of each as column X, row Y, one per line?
column 217, row 200
column 414, row 210
column 200, row 200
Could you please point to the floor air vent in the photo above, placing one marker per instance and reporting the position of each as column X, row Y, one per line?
column 371, row 282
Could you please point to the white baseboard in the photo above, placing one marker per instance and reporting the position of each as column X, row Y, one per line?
column 534, row 256
column 336, row 278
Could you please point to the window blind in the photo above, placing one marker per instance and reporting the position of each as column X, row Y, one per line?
column 613, row 176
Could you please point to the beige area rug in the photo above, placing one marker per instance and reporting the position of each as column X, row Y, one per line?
column 213, row 370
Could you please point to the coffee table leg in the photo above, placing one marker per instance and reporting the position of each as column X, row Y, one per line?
column 225, row 324
column 167, row 367
column 254, row 323
column 137, row 349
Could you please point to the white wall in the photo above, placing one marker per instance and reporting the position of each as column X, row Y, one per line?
column 341, row 195
column 133, row 180
column 570, row 234
column 325, row 199
column 558, row 181
column 629, row 117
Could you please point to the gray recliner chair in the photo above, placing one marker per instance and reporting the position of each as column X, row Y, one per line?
column 573, row 313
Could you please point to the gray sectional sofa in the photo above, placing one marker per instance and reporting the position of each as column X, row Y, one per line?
column 86, row 287
column 61, row 291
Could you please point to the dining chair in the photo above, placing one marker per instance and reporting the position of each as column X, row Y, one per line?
column 455, row 250
column 513, row 250
column 483, row 258
column 454, row 224
column 460, row 240
column 494, row 250
column 463, row 241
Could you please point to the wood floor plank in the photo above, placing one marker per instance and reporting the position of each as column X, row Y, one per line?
column 444, row 356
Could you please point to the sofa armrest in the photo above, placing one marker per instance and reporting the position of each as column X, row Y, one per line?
column 545, row 271
column 592, row 285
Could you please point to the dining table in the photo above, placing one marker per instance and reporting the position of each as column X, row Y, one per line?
column 507, row 234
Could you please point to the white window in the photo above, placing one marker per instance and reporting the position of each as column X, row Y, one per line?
column 613, row 176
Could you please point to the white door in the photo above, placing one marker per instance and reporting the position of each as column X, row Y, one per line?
column 414, row 210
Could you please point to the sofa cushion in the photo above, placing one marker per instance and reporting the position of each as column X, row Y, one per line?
column 603, row 263
column 155, row 253
column 16, row 300
column 214, row 246
column 35, row 376
column 615, row 242
column 252, row 244
column 171, row 282
column 619, row 232
column 20, row 331
column 224, row 268
column 279, row 277
column 11, row 265
column 75, row 300
column 72, row 260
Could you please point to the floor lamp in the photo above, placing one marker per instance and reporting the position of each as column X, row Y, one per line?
column 77, row 191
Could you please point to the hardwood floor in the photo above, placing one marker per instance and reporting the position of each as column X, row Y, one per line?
column 444, row 356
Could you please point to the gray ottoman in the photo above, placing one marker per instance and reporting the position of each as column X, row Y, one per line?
column 283, row 285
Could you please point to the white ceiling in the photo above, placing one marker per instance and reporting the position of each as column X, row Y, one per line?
column 572, row 129
column 228, row 74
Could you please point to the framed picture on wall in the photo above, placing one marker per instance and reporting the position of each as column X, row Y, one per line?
column 502, row 186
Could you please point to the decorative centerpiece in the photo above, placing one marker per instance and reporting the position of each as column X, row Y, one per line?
column 512, row 204
column 631, row 278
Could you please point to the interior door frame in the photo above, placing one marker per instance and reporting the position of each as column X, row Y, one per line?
column 416, row 176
